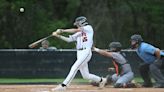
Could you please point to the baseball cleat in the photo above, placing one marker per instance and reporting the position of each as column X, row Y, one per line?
column 59, row 88
column 102, row 83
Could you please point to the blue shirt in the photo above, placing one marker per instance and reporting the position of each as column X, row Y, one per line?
column 147, row 52
column 162, row 54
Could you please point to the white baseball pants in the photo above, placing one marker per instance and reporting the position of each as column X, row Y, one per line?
column 83, row 57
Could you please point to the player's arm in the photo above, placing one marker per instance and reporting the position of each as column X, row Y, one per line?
column 153, row 50
column 68, row 30
column 103, row 52
column 67, row 39
column 157, row 53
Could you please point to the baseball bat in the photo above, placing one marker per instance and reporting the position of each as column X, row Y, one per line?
column 32, row 45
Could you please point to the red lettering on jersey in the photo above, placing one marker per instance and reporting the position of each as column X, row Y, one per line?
column 84, row 37
column 83, row 34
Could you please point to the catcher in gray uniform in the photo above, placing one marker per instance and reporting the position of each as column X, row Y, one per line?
column 124, row 75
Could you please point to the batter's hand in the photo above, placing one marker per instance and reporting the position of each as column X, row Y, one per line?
column 54, row 34
column 59, row 31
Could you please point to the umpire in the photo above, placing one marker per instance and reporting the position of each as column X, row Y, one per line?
column 153, row 61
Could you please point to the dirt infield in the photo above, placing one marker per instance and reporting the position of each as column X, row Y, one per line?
column 72, row 88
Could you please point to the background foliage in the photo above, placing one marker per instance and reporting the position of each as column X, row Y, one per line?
column 112, row 20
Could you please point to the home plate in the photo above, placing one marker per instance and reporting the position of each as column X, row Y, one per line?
column 44, row 91
column 125, row 89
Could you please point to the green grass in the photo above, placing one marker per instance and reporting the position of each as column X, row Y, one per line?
column 13, row 80
column 17, row 81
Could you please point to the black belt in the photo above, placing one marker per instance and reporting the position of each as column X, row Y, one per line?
column 81, row 49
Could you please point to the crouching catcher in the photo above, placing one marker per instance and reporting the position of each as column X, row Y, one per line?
column 123, row 73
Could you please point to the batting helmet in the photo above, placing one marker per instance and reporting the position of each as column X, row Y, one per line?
column 115, row 46
column 81, row 21
column 136, row 38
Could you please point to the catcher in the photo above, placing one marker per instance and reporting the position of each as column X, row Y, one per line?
column 124, row 75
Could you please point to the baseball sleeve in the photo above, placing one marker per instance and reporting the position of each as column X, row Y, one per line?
column 74, row 36
column 150, row 49
column 86, row 29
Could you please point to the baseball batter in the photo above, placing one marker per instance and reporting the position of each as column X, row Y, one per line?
column 124, row 74
column 83, row 36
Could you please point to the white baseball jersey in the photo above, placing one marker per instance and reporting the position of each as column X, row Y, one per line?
column 84, row 38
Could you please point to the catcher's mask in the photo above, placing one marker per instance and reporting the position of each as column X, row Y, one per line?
column 135, row 40
column 115, row 46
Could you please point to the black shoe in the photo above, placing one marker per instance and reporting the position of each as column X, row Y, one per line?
column 147, row 85
column 159, row 86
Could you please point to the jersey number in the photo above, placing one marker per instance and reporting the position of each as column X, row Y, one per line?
column 84, row 37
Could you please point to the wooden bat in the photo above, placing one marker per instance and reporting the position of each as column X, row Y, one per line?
column 34, row 44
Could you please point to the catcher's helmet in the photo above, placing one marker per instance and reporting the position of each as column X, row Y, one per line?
column 115, row 46
column 81, row 21
column 136, row 38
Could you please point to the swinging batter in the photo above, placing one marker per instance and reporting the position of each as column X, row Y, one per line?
column 83, row 36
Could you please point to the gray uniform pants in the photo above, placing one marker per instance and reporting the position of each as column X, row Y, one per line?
column 155, row 70
column 123, row 79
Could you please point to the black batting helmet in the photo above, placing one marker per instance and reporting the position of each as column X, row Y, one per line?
column 81, row 21
column 115, row 46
